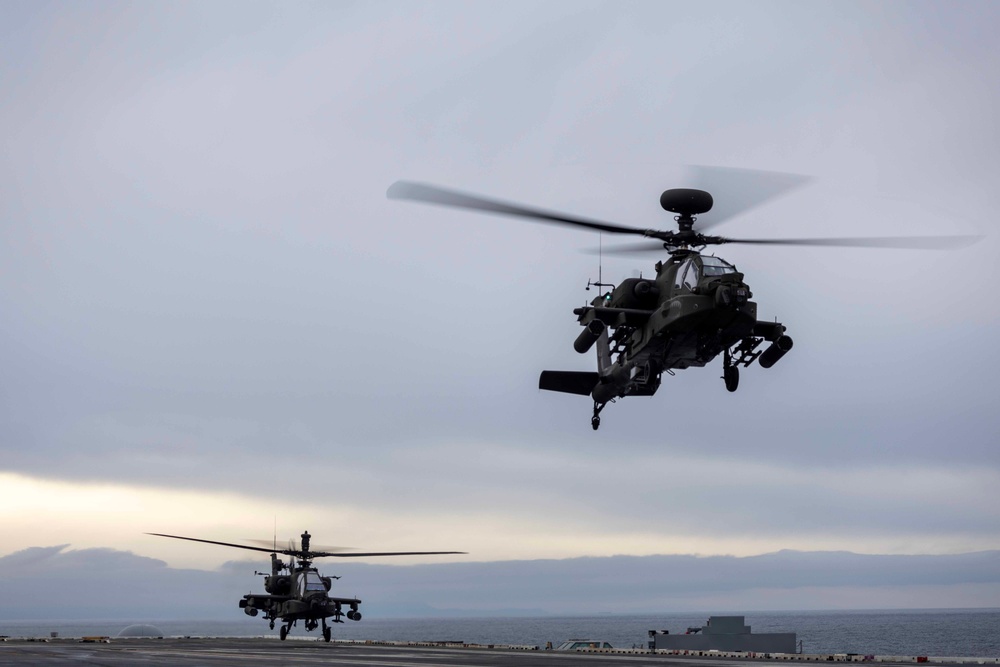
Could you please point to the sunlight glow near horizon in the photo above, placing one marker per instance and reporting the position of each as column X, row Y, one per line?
column 39, row 512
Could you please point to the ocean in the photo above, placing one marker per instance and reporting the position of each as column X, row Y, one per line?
column 951, row 632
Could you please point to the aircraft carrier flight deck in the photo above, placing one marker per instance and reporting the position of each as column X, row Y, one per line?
column 221, row 652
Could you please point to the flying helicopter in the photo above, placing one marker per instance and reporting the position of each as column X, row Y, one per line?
column 696, row 308
column 302, row 594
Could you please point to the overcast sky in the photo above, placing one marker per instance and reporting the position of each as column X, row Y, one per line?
column 212, row 320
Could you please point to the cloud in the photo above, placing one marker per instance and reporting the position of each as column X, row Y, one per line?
column 53, row 583
column 104, row 583
column 642, row 505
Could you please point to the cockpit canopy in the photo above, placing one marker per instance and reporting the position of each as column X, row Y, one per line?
column 311, row 582
column 716, row 266
column 691, row 271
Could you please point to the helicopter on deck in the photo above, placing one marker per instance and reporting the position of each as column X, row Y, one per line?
column 696, row 308
column 296, row 591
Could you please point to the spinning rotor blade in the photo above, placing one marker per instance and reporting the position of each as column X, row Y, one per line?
column 736, row 191
column 898, row 242
column 317, row 554
column 314, row 554
column 224, row 544
column 627, row 248
column 431, row 194
column 892, row 242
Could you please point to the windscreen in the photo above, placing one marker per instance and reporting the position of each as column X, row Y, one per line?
column 714, row 266
column 313, row 582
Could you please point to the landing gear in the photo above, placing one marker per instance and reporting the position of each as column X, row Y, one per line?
column 744, row 354
column 595, row 421
column 327, row 634
column 284, row 632
column 730, row 372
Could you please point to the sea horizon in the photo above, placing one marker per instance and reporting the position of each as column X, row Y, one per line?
column 969, row 632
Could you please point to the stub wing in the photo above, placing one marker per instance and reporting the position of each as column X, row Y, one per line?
column 569, row 382
column 347, row 601
column 614, row 317
column 266, row 603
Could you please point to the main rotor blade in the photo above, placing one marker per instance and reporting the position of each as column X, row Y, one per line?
column 314, row 554
column 317, row 554
column 627, row 248
column 224, row 544
column 891, row 242
column 898, row 242
column 432, row 194
column 736, row 191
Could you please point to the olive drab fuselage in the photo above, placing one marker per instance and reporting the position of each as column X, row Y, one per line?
column 301, row 594
column 297, row 592
column 696, row 308
column 694, row 316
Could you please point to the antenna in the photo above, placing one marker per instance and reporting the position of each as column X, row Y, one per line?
column 600, row 267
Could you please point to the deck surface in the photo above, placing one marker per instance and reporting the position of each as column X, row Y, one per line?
column 220, row 652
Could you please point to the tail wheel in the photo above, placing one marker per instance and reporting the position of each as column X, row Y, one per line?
column 595, row 421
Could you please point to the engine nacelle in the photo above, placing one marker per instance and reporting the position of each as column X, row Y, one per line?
column 635, row 293
column 775, row 351
column 646, row 291
column 278, row 585
column 591, row 332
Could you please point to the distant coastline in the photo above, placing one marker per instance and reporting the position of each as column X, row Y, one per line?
column 941, row 632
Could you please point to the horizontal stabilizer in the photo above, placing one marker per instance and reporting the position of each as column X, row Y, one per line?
column 569, row 382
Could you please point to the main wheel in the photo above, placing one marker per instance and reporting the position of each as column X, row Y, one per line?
column 284, row 632
column 327, row 634
column 596, row 422
column 731, row 374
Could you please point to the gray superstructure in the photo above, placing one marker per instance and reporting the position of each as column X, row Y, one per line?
column 724, row 633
